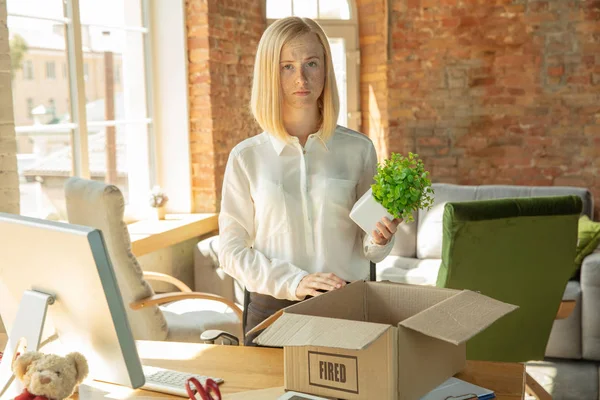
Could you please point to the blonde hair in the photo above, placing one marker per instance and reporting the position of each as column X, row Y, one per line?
column 265, row 101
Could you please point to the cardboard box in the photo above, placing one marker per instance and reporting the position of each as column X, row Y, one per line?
column 378, row 340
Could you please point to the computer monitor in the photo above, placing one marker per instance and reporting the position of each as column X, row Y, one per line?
column 70, row 263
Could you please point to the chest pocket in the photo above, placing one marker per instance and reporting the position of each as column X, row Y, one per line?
column 270, row 209
column 340, row 197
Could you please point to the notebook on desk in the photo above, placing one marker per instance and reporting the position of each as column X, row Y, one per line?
column 456, row 389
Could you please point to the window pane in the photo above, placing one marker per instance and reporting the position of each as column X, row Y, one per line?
column 334, row 9
column 115, row 65
column 279, row 8
column 41, row 110
column 36, row 8
column 116, row 104
column 116, row 91
column 111, row 12
column 305, row 8
column 107, row 146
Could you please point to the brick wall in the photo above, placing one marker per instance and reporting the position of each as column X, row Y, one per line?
column 9, row 179
column 497, row 92
column 373, row 40
column 222, row 40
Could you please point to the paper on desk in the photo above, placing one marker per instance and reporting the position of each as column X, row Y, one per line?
column 456, row 389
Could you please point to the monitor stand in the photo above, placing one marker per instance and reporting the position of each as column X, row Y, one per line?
column 28, row 325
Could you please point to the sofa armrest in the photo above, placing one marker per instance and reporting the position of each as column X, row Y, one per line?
column 590, row 270
column 590, row 299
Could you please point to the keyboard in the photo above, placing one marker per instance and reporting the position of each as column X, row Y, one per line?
column 170, row 382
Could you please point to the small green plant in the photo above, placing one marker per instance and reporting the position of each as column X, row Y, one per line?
column 401, row 186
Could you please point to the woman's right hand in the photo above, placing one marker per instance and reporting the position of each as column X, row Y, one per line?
column 310, row 284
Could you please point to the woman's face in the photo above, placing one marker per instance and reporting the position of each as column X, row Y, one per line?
column 302, row 71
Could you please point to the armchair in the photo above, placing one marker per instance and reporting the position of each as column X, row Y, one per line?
column 180, row 316
column 417, row 256
column 517, row 251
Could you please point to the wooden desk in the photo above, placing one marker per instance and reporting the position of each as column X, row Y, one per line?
column 251, row 368
column 151, row 235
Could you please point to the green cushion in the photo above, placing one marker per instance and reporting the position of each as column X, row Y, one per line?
column 513, row 250
column 588, row 238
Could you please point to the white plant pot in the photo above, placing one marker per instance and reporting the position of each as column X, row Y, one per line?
column 367, row 212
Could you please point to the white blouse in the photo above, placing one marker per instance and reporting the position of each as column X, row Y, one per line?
column 285, row 211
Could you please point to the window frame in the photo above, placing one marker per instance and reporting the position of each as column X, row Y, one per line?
column 50, row 70
column 28, row 70
column 77, row 128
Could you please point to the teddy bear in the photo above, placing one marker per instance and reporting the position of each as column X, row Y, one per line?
column 49, row 376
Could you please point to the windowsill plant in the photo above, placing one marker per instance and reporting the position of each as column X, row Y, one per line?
column 158, row 198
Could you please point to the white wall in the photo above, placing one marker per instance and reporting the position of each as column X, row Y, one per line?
column 170, row 97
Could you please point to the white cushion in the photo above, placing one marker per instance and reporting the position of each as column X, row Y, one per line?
column 409, row 270
column 405, row 244
column 187, row 319
column 429, row 235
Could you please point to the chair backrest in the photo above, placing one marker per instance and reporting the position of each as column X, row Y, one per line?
column 428, row 242
column 102, row 206
column 520, row 251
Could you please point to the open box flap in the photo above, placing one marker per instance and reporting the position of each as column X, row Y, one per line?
column 344, row 303
column 304, row 330
column 458, row 318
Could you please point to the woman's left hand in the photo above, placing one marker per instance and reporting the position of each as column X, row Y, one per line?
column 385, row 230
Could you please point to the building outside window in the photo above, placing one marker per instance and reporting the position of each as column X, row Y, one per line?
column 29, row 106
column 50, row 70
column 101, row 131
column 28, row 70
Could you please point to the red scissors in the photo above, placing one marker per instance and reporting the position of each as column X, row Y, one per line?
column 206, row 392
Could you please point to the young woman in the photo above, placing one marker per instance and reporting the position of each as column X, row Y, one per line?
column 285, row 230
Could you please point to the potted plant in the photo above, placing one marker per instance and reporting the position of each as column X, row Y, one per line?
column 401, row 187
column 158, row 199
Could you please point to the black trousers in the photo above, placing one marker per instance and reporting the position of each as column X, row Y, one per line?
column 257, row 308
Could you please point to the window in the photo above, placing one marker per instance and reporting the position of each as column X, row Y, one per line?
column 338, row 21
column 29, row 106
column 117, row 74
column 316, row 9
column 101, row 129
column 28, row 69
column 50, row 70
column 51, row 108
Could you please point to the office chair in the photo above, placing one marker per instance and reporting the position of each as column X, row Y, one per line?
column 180, row 316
